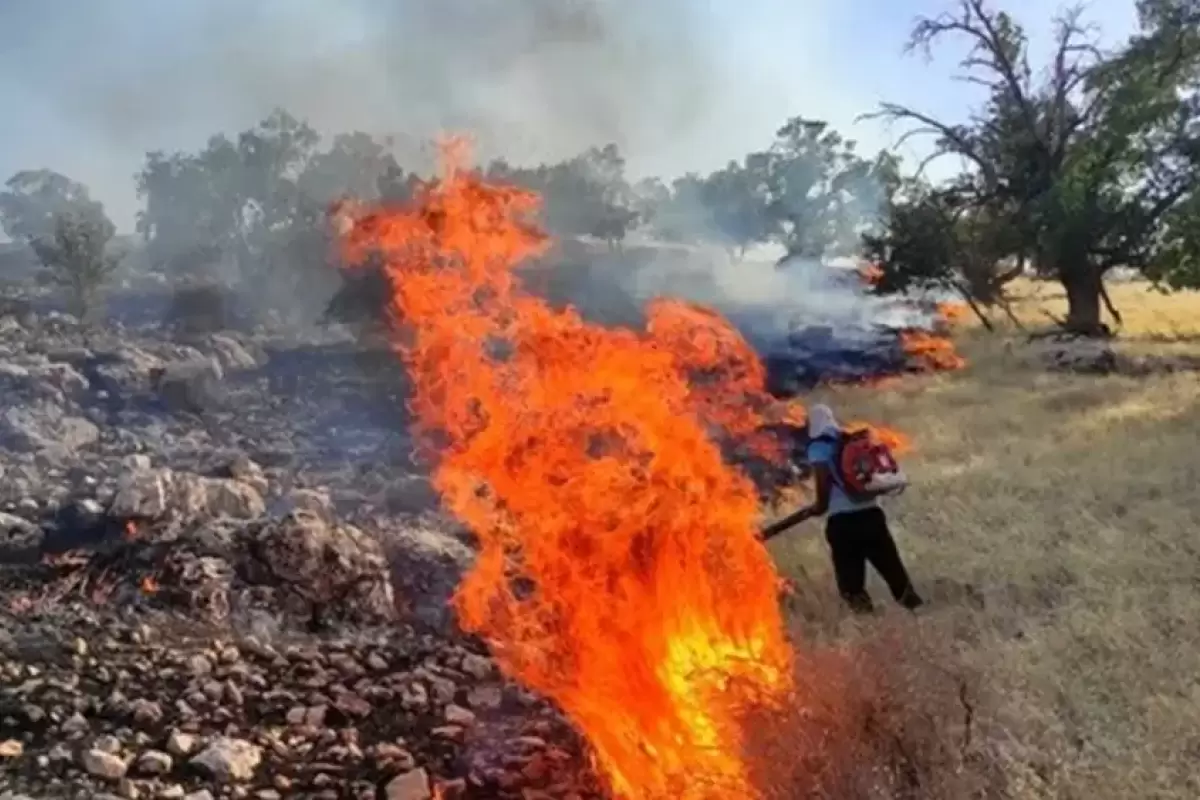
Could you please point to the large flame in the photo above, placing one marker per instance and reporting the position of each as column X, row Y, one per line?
column 619, row 572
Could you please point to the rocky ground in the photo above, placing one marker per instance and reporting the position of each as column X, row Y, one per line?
column 221, row 576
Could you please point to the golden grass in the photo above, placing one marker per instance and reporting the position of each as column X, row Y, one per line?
column 1054, row 525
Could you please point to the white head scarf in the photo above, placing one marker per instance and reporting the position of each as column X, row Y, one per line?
column 821, row 421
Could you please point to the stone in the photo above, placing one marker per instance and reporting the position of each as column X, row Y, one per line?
column 228, row 760
column 180, row 743
column 413, row 785
column 104, row 765
column 154, row 762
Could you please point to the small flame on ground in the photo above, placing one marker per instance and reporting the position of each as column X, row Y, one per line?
column 932, row 352
column 619, row 572
column 953, row 312
column 149, row 585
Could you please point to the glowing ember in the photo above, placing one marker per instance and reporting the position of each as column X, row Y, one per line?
column 619, row 572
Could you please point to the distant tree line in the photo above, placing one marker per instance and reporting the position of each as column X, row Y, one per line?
column 1073, row 168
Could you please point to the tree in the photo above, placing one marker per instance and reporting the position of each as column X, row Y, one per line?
column 811, row 173
column 1093, row 166
column 75, row 258
column 931, row 240
column 738, row 203
column 36, row 199
column 67, row 230
column 586, row 195
column 229, row 202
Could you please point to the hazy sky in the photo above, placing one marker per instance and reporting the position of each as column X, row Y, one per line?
column 88, row 87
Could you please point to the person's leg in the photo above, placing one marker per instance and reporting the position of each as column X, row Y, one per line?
column 880, row 549
column 849, row 562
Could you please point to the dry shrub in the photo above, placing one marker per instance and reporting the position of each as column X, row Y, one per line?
column 893, row 715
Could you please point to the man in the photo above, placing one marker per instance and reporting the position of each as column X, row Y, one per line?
column 857, row 531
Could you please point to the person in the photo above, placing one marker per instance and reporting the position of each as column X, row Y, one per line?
column 857, row 531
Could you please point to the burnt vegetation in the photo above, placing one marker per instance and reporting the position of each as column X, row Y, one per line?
column 1074, row 168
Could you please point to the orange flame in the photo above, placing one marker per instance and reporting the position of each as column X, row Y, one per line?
column 149, row 585
column 953, row 312
column 935, row 353
column 870, row 274
column 619, row 572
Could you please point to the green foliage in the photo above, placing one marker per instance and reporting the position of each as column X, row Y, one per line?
column 1087, row 164
column 34, row 200
column 75, row 258
column 69, row 232
column 587, row 195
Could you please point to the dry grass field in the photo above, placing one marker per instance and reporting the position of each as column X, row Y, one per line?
column 1053, row 525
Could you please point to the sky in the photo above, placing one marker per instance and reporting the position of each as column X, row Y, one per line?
column 681, row 85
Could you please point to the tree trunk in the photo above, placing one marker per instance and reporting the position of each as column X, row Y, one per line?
column 1084, row 285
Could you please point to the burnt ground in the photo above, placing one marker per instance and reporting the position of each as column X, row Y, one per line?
column 221, row 575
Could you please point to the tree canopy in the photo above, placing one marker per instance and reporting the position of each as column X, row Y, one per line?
column 1074, row 166
column 1084, row 165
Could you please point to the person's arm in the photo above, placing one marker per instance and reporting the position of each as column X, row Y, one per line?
column 818, row 507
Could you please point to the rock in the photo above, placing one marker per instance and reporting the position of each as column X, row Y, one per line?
column 485, row 698
column 11, row 748
column 228, row 760
column 76, row 724
column 190, row 386
column 45, row 427
column 243, row 469
column 337, row 567
column 181, row 744
column 457, row 715
column 310, row 500
column 146, row 712
column 104, row 765
column 164, row 493
column 19, row 538
column 39, row 378
column 412, row 785
column 427, row 565
column 231, row 355
column 477, row 666
column 154, row 762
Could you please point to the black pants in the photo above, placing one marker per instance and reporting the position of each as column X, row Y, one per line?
column 858, row 537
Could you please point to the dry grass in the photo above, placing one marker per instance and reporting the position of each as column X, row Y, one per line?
column 1053, row 526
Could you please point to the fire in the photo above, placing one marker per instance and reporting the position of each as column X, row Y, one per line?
column 952, row 312
column 149, row 585
column 870, row 274
column 619, row 573
column 935, row 353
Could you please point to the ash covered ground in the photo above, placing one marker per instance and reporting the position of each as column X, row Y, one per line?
column 222, row 574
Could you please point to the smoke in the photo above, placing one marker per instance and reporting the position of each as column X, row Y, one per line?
column 766, row 301
column 532, row 80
